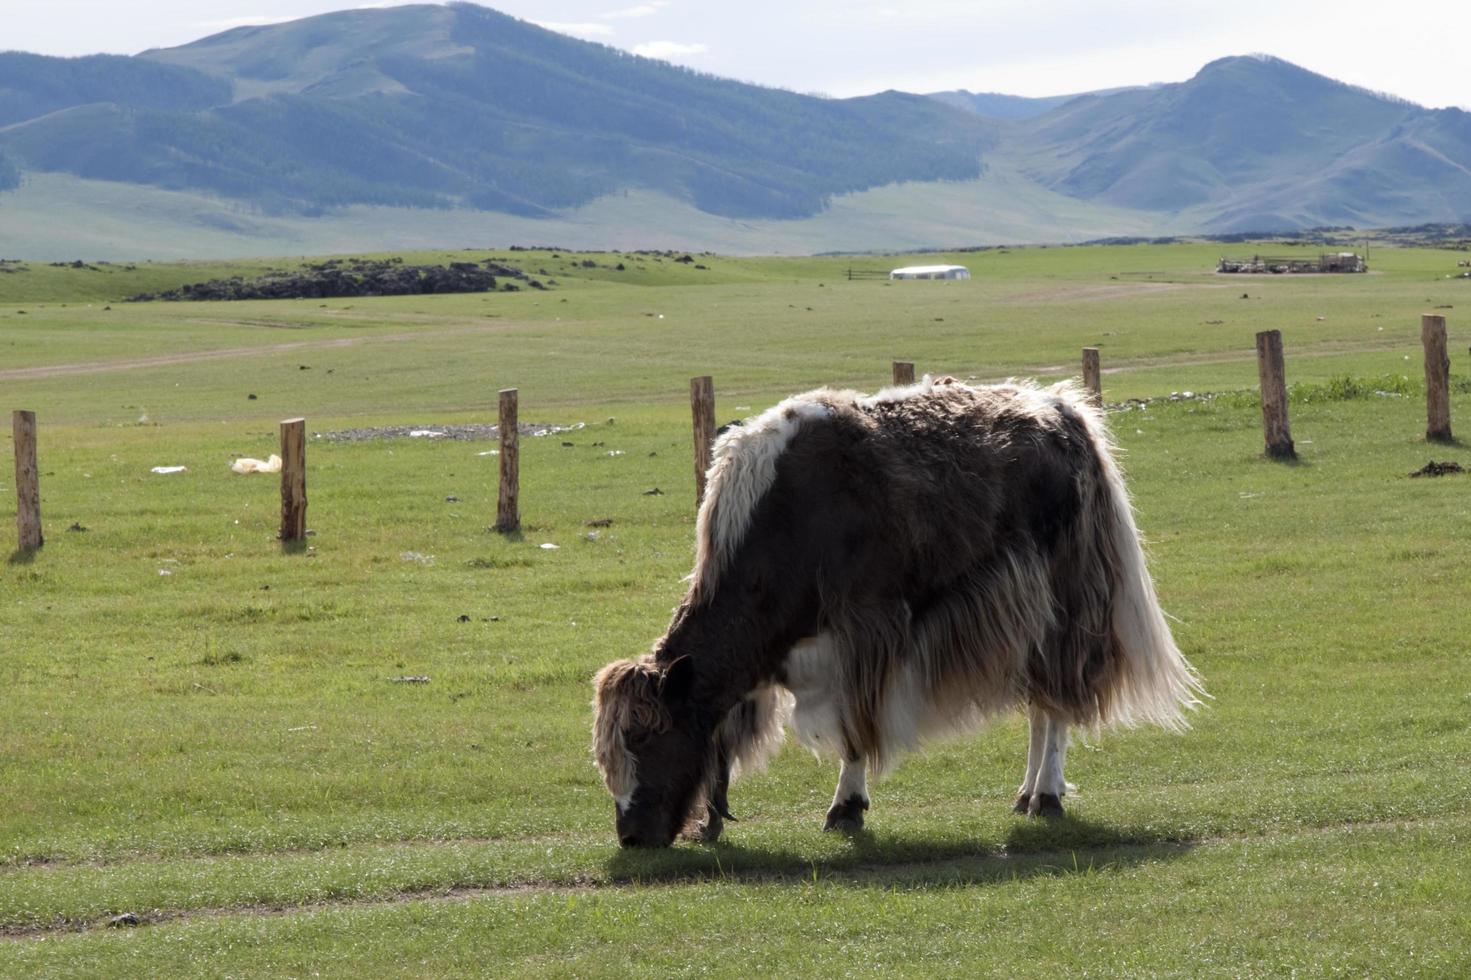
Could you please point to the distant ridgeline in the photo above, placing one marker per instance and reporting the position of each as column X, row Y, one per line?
column 353, row 277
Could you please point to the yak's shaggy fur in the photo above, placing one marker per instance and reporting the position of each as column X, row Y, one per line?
column 906, row 564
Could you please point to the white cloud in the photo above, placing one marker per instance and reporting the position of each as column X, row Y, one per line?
column 230, row 23
column 585, row 29
column 666, row 50
column 642, row 10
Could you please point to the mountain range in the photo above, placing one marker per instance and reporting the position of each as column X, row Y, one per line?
column 385, row 128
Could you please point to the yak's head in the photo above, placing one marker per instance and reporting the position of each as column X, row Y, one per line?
column 652, row 746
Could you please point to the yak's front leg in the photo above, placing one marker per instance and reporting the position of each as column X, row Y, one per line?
column 851, row 798
column 1050, row 787
column 717, row 809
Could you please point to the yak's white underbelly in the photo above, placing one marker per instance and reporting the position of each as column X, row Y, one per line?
column 812, row 675
column 910, row 710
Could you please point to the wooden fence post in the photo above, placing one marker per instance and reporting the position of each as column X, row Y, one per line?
column 903, row 372
column 1437, row 378
column 1092, row 375
column 702, row 407
column 1273, row 383
column 508, row 505
column 293, row 480
column 27, row 482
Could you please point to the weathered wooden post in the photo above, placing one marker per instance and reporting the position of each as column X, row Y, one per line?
column 293, row 480
column 702, row 408
column 1437, row 378
column 508, row 506
column 27, row 482
column 903, row 372
column 1273, row 383
column 1092, row 375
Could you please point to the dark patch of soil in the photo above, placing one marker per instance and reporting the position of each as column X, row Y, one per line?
column 1433, row 468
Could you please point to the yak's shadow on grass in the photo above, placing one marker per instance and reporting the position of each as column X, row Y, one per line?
column 1292, row 462
column 1032, row 848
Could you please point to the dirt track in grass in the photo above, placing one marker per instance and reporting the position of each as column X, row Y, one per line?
column 43, row 371
column 986, row 863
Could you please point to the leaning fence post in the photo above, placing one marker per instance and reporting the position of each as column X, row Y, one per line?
column 1273, row 384
column 27, row 482
column 903, row 372
column 1092, row 376
column 1437, row 378
column 702, row 408
column 293, row 480
column 508, row 504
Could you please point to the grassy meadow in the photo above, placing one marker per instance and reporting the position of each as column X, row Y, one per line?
column 207, row 731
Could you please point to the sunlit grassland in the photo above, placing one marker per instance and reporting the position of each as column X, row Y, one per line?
column 227, row 740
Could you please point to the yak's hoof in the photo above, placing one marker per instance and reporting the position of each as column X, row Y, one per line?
column 707, row 831
column 1023, row 800
column 846, row 816
column 1047, row 805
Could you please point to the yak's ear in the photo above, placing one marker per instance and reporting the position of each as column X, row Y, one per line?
column 678, row 679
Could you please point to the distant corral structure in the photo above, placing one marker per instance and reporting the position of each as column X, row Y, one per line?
column 1278, row 264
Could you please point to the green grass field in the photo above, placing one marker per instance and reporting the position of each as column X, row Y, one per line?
column 205, row 731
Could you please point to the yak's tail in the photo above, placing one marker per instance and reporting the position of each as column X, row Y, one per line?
column 1153, row 682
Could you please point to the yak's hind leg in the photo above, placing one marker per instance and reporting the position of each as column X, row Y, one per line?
column 1050, row 786
column 851, row 799
column 1036, row 745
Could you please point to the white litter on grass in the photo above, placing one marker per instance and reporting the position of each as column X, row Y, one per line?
column 552, row 430
column 615, row 452
column 550, row 547
column 490, row 452
column 164, row 572
column 425, row 434
column 414, row 556
column 169, row 469
column 247, row 465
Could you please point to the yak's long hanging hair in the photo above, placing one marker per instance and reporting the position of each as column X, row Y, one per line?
column 1077, row 630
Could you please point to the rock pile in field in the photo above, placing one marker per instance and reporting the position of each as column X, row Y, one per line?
column 353, row 277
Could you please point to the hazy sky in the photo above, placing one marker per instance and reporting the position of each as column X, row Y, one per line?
column 851, row 47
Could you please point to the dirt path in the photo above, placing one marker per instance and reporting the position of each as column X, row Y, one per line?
column 986, row 863
column 1094, row 294
column 43, row 371
column 1330, row 349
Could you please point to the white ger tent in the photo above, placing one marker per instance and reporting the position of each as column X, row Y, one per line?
column 931, row 272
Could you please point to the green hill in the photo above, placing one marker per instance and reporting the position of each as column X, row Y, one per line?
column 386, row 127
column 1253, row 143
column 460, row 106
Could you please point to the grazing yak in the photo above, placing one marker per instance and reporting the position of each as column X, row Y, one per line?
column 880, row 569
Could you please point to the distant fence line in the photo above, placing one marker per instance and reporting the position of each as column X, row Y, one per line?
column 1271, row 381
